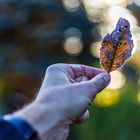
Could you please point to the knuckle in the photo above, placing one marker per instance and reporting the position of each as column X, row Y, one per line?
column 50, row 68
column 54, row 67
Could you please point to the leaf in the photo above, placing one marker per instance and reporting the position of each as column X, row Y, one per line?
column 117, row 46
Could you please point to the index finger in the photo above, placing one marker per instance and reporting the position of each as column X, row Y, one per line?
column 77, row 70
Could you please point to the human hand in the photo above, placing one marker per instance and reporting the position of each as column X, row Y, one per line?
column 64, row 98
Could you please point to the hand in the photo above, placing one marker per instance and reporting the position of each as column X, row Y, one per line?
column 64, row 98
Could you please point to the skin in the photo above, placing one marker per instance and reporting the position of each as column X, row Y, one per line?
column 64, row 98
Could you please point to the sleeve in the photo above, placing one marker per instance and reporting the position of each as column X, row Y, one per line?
column 12, row 128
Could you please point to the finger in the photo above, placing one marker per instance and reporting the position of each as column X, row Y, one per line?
column 57, row 73
column 68, row 72
column 83, row 118
column 81, row 79
column 92, row 87
column 77, row 70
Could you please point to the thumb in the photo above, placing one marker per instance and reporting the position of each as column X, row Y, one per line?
column 92, row 87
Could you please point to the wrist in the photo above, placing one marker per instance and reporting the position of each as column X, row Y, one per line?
column 22, row 127
column 43, row 119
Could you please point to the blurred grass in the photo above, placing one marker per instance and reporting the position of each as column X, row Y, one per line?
column 118, row 122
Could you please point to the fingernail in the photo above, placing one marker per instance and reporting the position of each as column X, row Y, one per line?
column 85, row 116
column 107, row 77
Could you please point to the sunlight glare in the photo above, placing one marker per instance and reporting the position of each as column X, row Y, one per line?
column 117, row 80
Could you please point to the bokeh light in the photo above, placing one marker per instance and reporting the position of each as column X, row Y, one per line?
column 71, row 5
column 107, row 98
column 94, row 3
column 95, row 49
column 117, row 80
column 73, row 45
column 134, row 61
column 137, row 2
column 104, row 12
column 72, row 31
column 112, row 16
column 123, row 3
column 97, row 9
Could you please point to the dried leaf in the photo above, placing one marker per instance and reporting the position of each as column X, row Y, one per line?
column 117, row 46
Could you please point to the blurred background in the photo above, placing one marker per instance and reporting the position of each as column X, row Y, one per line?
column 37, row 33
